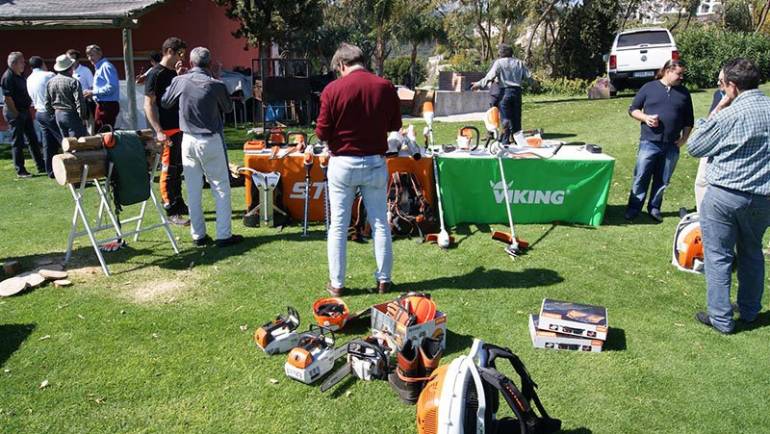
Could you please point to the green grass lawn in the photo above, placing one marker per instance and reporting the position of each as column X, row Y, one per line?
column 159, row 346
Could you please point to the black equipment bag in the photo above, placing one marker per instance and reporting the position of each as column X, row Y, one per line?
column 359, row 229
column 409, row 213
column 520, row 401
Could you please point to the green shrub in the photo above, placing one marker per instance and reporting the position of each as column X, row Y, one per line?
column 705, row 50
column 559, row 86
column 398, row 71
column 465, row 62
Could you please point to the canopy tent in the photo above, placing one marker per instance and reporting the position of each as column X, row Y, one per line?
column 83, row 14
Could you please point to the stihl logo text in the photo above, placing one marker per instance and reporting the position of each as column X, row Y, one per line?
column 545, row 197
column 298, row 190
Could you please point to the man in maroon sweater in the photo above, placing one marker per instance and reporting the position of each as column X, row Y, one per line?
column 357, row 111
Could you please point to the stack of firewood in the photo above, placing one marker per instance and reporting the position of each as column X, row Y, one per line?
column 68, row 167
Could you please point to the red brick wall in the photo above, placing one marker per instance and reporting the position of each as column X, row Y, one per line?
column 198, row 22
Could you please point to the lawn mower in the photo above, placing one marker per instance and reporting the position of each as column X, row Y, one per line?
column 464, row 397
column 314, row 356
column 279, row 335
column 688, row 243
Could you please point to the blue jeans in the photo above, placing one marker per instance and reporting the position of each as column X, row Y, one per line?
column 369, row 175
column 733, row 224
column 23, row 125
column 70, row 124
column 51, row 138
column 510, row 112
column 655, row 161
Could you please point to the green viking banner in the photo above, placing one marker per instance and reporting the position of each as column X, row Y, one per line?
column 541, row 191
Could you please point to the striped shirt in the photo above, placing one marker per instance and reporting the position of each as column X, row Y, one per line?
column 737, row 142
column 509, row 71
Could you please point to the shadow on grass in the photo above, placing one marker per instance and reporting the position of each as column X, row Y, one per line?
column 614, row 216
column 763, row 320
column 576, row 431
column 11, row 338
column 457, row 343
column 481, row 278
column 616, row 340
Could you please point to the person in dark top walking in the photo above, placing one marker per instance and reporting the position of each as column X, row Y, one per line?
column 64, row 99
column 511, row 73
column 357, row 111
column 165, row 122
column 17, row 112
column 664, row 109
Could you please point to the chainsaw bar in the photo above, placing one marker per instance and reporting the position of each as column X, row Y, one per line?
column 336, row 377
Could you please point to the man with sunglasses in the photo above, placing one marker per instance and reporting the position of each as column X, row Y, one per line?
column 165, row 122
column 735, row 212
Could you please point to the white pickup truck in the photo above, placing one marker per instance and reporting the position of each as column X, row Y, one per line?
column 637, row 55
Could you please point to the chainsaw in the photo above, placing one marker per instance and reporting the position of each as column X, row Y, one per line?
column 314, row 356
column 279, row 335
column 368, row 360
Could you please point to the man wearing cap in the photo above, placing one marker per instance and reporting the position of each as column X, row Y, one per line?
column 37, row 83
column 106, row 88
column 510, row 73
column 16, row 112
column 64, row 99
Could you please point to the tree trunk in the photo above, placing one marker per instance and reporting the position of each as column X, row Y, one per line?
column 534, row 30
column 413, row 65
column 762, row 17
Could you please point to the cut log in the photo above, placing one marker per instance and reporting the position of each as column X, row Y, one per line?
column 11, row 268
column 62, row 283
column 33, row 280
column 49, row 274
column 12, row 286
column 86, row 143
column 68, row 168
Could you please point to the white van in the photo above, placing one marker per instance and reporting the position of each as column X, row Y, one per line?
column 638, row 54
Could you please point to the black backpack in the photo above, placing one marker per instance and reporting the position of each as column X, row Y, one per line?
column 409, row 213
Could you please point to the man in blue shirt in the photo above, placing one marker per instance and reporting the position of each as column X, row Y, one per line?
column 664, row 108
column 735, row 212
column 106, row 90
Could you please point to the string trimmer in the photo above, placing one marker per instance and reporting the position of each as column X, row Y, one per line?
column 308, row 161
column 515, row 246
column 443, row 239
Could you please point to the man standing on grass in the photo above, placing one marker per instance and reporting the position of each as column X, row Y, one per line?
column 510, row 73
column 64, row 99
column 17, row 113
column 664, row 108
column 202, row 100
column 36, row 87
column 357, row 111
column 106, row 89
column 165, row 122
column 735, row 212
column 86, row 78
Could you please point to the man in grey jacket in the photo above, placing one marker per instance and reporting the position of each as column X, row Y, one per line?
column 202, row 99
column 64, row 99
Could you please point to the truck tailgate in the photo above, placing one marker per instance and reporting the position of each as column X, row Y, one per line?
column 643, row 58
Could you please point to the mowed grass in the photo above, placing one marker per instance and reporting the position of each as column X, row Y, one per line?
column 159, row 347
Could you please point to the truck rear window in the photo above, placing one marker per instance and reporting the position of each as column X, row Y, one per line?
column 638, row 38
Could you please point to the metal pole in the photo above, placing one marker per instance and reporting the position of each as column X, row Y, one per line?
column 128, row 61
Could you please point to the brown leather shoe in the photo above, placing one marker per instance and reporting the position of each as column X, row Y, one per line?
column 406, row 380
column 382, row 287
column 335, row 292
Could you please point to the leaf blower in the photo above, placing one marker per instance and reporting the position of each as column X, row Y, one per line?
column 687, row 252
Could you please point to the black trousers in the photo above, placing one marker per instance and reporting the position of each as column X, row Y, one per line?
column 51, row 138
column 510, row 112
column 23, row 126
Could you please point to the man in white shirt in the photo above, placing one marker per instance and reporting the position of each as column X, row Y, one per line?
column 36, row 88
column 84, row 75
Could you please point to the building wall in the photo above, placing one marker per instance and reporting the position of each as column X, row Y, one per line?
column 198, row 22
